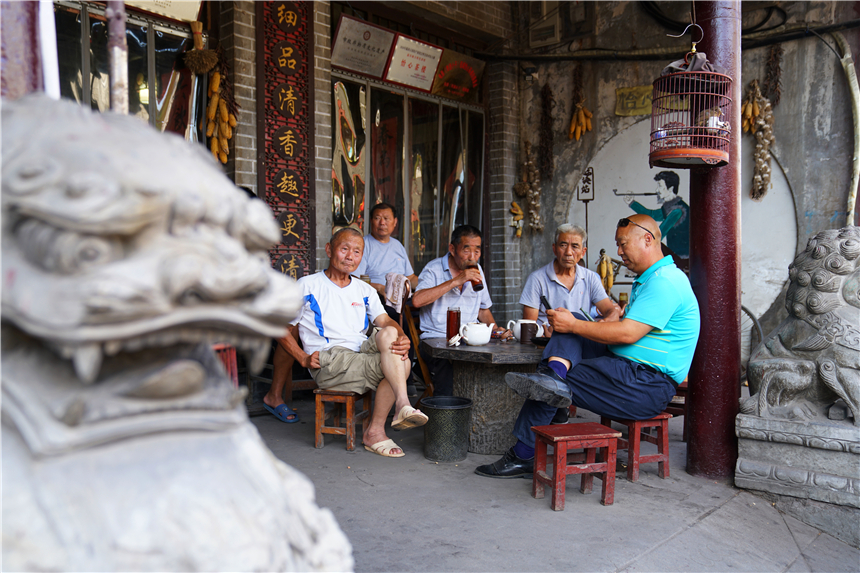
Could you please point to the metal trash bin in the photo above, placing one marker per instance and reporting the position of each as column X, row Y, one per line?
column 446, row 433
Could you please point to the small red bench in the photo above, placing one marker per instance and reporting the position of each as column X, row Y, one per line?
column 588, row 436
column 638, row 430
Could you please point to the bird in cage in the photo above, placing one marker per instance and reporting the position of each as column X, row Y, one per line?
column 711, row 119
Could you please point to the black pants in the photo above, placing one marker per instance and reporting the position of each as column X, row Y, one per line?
column 442, row 373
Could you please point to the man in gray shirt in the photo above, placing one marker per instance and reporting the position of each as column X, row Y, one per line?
column 566, row 284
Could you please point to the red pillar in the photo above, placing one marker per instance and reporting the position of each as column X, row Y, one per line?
column 715, row 267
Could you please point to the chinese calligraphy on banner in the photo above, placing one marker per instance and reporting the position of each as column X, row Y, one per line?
column 285, row 115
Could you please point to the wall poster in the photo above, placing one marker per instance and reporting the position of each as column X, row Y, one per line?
column 285, row 130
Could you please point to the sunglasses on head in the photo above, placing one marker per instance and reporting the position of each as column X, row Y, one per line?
column 625, row 221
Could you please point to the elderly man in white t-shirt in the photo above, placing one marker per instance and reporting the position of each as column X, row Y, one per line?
column 566, row 284
column 332, row 324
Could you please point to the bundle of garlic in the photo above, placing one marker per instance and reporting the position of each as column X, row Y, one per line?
column 758, row 119
column 529, row 187
column 220, row 119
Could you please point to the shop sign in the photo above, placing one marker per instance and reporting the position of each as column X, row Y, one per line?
column 633, row 101
column 458, row 77
column 361, row 47
column 413, row 63
column 285, row 45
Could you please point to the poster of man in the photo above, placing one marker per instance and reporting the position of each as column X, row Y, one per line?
column 672, row 213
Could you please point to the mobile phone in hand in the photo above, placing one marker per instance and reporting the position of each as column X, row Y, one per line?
column 586, row 315
column 545, row 303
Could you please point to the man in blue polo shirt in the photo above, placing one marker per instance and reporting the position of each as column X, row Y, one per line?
column 566, row 284
column 628, row 369
column 384, row 254
column 448, row 282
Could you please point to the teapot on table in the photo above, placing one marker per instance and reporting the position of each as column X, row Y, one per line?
column 476, row 333
column 515, row 326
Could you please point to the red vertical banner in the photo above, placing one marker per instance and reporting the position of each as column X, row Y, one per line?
column 285, row 133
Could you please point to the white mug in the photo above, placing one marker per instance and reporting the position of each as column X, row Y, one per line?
column 514, row 326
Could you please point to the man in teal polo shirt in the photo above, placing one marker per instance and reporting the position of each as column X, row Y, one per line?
column 628, row 369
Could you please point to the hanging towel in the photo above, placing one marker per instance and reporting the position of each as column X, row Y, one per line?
column 397, row 290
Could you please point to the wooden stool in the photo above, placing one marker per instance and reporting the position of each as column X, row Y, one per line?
column 227, row 355
column 635, row 434
column 588, row 436
column 351, row 417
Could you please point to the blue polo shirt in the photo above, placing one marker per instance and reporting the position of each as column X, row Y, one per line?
column 434, row 317
column 379, row 259
column 663, row 299
column 587, row 291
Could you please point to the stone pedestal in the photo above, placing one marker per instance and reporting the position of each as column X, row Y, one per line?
column 812, row 460
column 494, row 405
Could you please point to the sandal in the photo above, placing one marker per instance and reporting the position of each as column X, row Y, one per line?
column 283, row 413
column 384, row 448
column 408, row 417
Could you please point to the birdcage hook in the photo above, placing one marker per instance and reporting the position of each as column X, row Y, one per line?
column 684, row 33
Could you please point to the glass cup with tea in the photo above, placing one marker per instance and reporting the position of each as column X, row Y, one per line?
column 452, row 328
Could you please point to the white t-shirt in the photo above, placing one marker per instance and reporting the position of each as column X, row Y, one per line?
column 382, row 258
column 335, row 316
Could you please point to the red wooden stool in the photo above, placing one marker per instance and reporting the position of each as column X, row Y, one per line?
column 352, row 417
column 635, row 434
column 227, row 355
column 588, row 436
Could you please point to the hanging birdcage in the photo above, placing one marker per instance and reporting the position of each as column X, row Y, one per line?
column 690, row 111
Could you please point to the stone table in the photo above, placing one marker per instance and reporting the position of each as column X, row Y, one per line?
column 479, row 374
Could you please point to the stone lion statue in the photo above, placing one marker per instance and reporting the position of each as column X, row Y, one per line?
column 126, row 254
column 812, row 359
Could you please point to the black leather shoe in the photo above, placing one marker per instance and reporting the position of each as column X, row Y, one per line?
column 540, row 386
column 561, row 416
column 510, row 466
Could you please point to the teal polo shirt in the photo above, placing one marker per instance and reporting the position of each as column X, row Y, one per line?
column 663, row 299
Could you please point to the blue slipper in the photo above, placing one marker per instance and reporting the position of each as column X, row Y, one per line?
column 281, row 413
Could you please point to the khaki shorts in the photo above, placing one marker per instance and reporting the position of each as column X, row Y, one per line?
column 344, row 370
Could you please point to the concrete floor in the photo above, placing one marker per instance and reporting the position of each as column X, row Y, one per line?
column 411, row 514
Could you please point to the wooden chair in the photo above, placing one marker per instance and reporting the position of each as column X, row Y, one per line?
column 414, row 335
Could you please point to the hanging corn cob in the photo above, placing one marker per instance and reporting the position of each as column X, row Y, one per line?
column 220, row 113
column 581, row 120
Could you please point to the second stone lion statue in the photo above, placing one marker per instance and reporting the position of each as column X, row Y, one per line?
column 812, row 359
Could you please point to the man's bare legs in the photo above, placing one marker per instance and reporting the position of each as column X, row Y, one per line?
column 391, row 391
column 282, row 372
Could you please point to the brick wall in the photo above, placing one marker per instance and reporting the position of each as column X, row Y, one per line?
column 237, row 39
column 490, row 18
column 505, row 269
column 322, row 127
